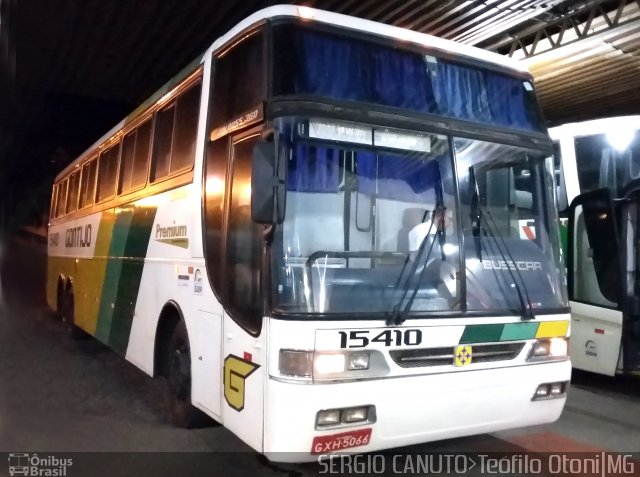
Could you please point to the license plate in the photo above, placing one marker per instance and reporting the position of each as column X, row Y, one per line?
column 337, row 442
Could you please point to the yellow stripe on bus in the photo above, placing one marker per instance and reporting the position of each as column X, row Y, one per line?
column 91, row 272
column 551, row 329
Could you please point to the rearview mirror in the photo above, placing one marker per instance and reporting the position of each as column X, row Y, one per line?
column 268, row 189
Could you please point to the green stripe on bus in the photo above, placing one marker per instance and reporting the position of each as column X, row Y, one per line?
column 481, row 333
column 135, row 249
column 519, row 331
column 129, row 242
column 112, row 274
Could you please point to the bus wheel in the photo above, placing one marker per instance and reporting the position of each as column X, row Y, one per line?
column 178, row 359
column 67, row 314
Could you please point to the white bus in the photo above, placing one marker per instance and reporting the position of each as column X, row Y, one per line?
column 313, row 234
column 600, row 168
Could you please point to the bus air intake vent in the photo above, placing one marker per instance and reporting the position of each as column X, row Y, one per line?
column 414, row 358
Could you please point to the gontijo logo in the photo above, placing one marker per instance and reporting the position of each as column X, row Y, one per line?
column 236, row 371
column 34, row 465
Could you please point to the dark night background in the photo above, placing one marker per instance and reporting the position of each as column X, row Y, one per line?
column 71, row 69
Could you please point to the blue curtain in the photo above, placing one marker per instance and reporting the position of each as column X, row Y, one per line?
column 333, row 67
column 400, row 79
column 315, row 169
column 389, row 172
column 507, row 101
column 460, row 92
column 347, row 69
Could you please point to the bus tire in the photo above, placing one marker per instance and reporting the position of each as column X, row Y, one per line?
column 59, row 298
column 178, row 372
column 68, row 314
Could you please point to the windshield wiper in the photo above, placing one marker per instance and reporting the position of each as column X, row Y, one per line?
column 398, row 317
column 525, row 307
column 476, row 213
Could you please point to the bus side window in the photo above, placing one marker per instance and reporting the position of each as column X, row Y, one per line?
column 62, row 198
column 72, row 200
column 134, row 158
column 185, row 129
column 52, row 205
column 216, row 173
column 88, row 184
column 230, row 97
column 162, row 143
column 107, row 168
column 175, row 135
column 244, row 239
column 126, row 162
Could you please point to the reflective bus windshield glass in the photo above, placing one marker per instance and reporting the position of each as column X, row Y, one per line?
column 372, row 223
column 359, row 233
column 510, row 224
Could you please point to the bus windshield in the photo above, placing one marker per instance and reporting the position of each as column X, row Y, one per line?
column 514, row 247
column 372, row 225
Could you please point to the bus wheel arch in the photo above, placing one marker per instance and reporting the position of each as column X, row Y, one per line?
column 67, row 310
column 173, row 361
column 170, row 316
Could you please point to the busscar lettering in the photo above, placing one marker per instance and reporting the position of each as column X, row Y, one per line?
column 522, row 265
column 171, row 231
column 78, row 236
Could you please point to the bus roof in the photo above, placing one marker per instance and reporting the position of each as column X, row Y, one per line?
column 311, row 15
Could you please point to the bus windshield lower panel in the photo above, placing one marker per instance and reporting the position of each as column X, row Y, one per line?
column 374, row 228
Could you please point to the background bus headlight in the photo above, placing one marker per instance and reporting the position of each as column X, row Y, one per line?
column 549, row 349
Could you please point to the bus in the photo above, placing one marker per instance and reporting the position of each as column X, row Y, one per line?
column 598, row 164
column 313, row 234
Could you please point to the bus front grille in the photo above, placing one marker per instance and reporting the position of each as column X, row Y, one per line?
column 414, row 358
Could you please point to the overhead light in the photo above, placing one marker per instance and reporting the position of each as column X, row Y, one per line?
column 620, row 138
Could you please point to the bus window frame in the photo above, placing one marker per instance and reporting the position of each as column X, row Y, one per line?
column 63, row 181
column 73, row 173
column 147, row 119
column 54, row 200
column 173, row 102
column 179, row 178
column 85, row 167
column 116, row 143
column 238, row 316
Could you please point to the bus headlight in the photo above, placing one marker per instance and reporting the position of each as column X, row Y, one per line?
column 549, row 349
column 296, row 363
column 327, row 365
column 358, row 360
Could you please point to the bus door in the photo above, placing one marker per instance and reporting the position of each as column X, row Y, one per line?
column 244, row 343
column 594, row 272
column 630, row 212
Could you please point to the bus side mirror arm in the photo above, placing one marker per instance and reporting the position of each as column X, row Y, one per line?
column 268, row 187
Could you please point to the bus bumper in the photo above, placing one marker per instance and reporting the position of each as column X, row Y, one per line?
column 411, row 410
